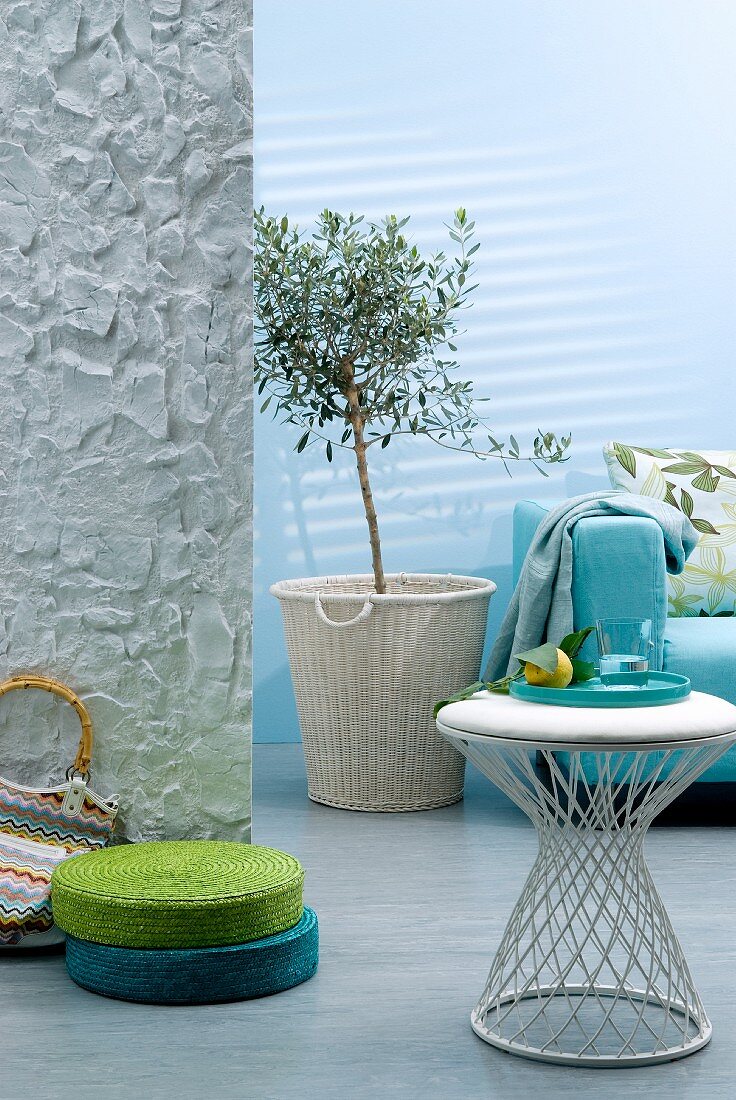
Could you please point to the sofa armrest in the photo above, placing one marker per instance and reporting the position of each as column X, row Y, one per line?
column 618, row 569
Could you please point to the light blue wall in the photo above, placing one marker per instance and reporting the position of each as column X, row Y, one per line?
column 593, row 144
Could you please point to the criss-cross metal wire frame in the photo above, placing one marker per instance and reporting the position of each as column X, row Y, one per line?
column 589, row 970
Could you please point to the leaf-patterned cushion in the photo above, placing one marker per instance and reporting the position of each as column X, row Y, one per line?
column 701, row 484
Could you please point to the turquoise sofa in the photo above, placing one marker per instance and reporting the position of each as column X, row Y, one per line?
column 619, row 570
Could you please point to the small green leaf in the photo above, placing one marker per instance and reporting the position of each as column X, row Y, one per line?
column 571, row 644
column 683, row 468
column 544, row 656
column 582, row 671
column 686, row 502
column 328, row 450
column 704, row 527
column 706, row 481
column 652, row 452
column 669, row 497
column 626, row 457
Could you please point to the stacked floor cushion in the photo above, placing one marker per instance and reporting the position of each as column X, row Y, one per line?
column 185, row 922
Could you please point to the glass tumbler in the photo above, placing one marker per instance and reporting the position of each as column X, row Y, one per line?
column 623, row 647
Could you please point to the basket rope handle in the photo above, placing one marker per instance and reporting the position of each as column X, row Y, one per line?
column 361, row 617
column 44, row 683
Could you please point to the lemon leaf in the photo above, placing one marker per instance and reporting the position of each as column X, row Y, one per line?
column 571, row 644
column 544, row 656
column 582, row 671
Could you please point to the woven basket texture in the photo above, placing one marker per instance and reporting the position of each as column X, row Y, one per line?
column 179, row 893
column 365, row 691
column 204, row 975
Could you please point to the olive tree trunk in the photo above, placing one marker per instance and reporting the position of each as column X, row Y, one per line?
column 355, row 417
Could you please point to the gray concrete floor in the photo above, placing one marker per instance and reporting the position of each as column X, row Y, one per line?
column 411, row 907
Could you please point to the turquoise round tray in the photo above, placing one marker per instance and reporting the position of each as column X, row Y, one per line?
column 622, row 690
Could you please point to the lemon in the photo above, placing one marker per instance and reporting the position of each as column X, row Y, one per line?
column 560, row 678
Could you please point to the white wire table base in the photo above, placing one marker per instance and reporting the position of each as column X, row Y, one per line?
column 589, row 970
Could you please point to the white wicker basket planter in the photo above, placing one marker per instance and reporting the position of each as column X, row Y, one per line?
column 367, row 671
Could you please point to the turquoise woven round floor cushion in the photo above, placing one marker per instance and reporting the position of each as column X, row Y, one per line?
column 179, row 893
column 204, row 975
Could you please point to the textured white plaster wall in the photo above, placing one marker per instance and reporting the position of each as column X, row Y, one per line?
column 125, row 434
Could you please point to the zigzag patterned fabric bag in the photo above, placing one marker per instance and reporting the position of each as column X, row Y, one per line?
column 41, row 827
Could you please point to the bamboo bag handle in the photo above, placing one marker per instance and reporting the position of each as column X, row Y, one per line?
column 44, row 683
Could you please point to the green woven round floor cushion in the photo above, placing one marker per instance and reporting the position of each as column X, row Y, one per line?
column 178, row 893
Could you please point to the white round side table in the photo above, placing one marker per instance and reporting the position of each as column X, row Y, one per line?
column 589, row 970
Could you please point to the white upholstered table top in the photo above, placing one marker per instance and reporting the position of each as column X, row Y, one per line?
column 697, row 717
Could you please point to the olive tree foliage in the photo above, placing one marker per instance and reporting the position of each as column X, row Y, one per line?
column 354, row 343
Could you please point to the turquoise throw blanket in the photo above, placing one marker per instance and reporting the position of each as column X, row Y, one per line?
column 541, row 606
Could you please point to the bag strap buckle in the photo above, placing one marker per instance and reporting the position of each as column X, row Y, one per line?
column 74, row 797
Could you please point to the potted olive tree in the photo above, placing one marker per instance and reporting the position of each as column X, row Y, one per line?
column 352, row 324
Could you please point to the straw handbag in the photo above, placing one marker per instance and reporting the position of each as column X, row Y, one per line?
column 41, row 827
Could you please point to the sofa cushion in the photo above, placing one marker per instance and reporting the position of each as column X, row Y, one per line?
column 703, row 486
column 705, row 650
